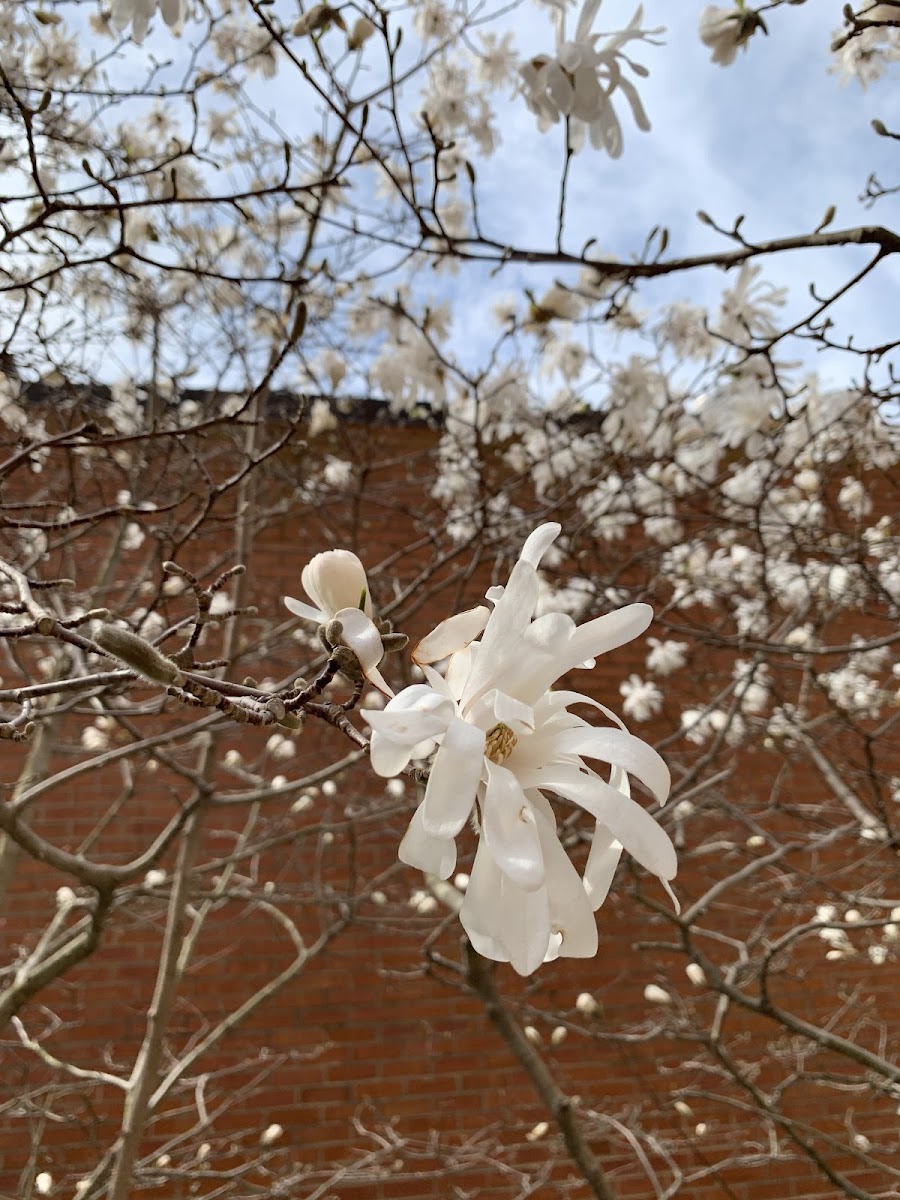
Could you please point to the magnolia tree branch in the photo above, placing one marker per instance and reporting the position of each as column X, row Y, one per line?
column 479, row 975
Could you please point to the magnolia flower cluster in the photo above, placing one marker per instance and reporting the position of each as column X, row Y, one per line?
column 503, row 741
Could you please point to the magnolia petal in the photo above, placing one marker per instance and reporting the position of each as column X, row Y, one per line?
column 510, row 829
column 501, row 643
column 541, row 657
column 386, row 757
column 586, row 20
column 336, row 579
column 300, row 609
column 564, row 698
column 551, row 634
column 421, row 849
column 483, row 943
column 459, row 669
column 416, row 713
column 451, row 635
column 607, row 633
column 559, row 87
column 496, row 706
column 525, row 920
column 361, row 636
column 376, row 678
column 600, row 868
column 480, row 911
column 437, row 681
column 638, row 832
column 571, row 915
column 620, row 748
column 539, row 542
column 171, row 11
column 455, row 774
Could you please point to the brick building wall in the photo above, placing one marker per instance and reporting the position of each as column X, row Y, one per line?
column 384, row 1072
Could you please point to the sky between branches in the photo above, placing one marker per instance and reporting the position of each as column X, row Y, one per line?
column 774, row 136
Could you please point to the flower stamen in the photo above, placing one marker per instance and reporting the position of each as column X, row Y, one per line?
column 499, row 743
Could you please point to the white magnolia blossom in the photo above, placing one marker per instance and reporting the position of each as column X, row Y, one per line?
column 504, row 739
column 666, row 657
column 867, row 55
column 578, row 82
column 725, row 30
column 642, row 698
column 336, row 583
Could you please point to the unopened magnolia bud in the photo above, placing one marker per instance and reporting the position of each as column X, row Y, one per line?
column 559, row 1034
column 331, row 633
column 393, row 642
column 695, row 974
column 587, row 1004
column 827, row 218
column 361, row 32
column 533, row 1035
column 656, row 995
column 271, row 1135
column 138, row 654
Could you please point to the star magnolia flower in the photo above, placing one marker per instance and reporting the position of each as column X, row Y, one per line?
column 580, row 80
column 504, row 739
column 336, row 583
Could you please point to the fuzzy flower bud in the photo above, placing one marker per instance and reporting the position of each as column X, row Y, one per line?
column 138, row 654
column 362, row 30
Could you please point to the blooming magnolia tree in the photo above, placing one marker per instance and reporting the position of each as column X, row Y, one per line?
column 240, row 242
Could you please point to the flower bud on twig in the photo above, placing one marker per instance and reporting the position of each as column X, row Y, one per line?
column 138, row 654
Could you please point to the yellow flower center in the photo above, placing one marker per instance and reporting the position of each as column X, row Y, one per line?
column 499, row 743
